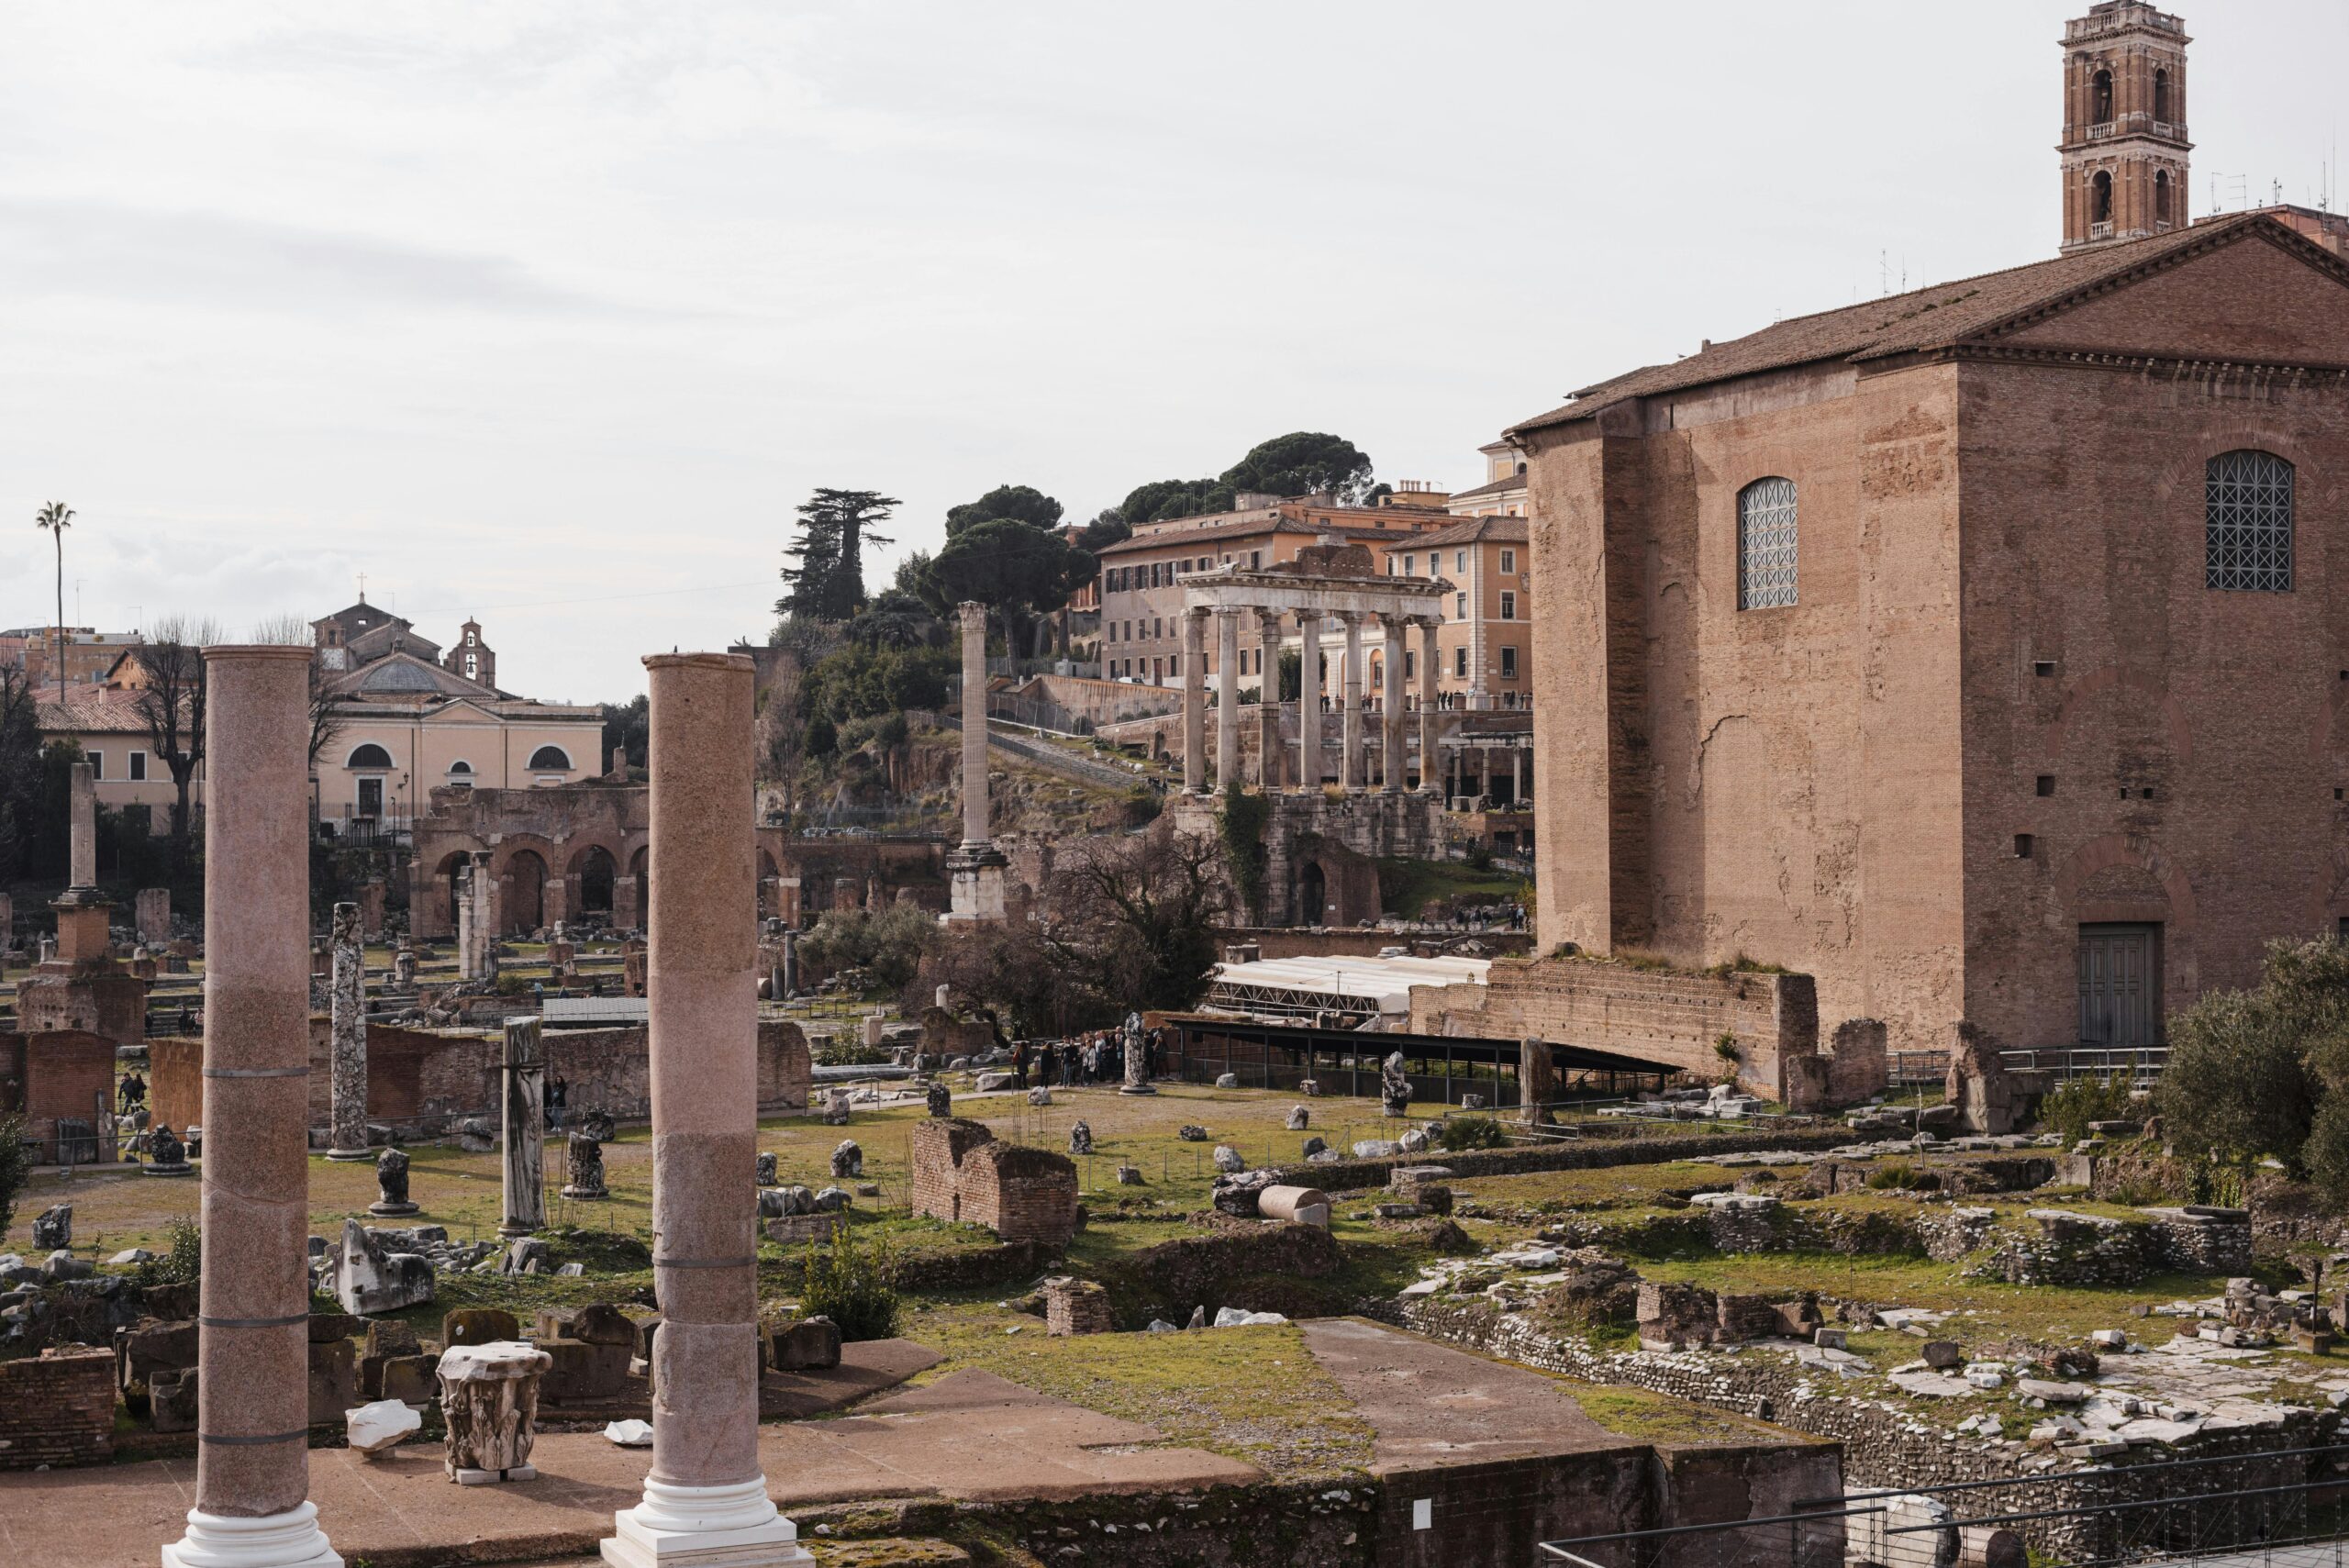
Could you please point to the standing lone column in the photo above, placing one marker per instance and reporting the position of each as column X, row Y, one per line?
column 1350, row 774
column 253, row 1476
column 524, row 1069
column 1430, row 767
column 1393, row 765
column 348, row 1007
column 974, row 867
column 1308, row 704
column 1268, row 700
column 1195, row 702
column 705, row 1499
column 81, row 810
column 1227, row 701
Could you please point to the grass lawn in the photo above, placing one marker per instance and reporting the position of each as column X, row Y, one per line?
column 1407, row 886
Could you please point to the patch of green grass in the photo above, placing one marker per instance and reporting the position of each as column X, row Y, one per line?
column 1408, row 886
column 1255, row 1394
column 1660, row 1418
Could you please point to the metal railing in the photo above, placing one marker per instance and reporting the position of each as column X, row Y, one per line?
column 2140, row 1064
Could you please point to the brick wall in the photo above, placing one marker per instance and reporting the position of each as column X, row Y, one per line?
column 54, row 1074
column 1653, row 1015
column 57, row 1410
column 176, row 1079
column 962, row 1172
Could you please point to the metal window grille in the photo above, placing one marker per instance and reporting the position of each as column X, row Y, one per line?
column 1766, row 544
column 2248, row 522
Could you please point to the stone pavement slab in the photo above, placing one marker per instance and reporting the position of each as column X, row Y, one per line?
column 971, row 1437
column 1432, row 1405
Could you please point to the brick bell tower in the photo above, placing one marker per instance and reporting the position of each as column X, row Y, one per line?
column 2124, row 144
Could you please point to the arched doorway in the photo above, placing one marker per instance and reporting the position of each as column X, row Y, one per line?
column 526, row 903
column 641, row 879
column 596, row 874
column 1313, row 894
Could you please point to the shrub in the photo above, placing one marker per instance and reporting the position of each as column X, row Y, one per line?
column 2083, row 1100
column 1473, row 1132
column 849, row 1285
column 183, row 1259
column 16, row 1168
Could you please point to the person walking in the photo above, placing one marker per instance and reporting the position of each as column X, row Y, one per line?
column 1019, row 1065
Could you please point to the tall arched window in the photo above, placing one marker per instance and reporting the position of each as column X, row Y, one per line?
column 2100, row 197
column 2161, row 196
column 368, row 755
column 549, row 760
column 2248, row 522
column 1766, row 544
column 2161, row 96
column 2100, row 98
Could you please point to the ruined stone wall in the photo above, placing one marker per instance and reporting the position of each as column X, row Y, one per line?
column 57, row 1410
column 1579, row 1154
column 961, row 1173
column 1657, row 1015
column 110, row 1002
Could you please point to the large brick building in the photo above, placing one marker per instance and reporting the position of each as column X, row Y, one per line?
column 1980, row 651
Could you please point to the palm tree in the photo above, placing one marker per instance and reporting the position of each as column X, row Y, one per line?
column 57, row 516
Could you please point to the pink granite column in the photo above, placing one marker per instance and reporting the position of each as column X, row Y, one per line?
column 705, row 1499
column 252, row 1456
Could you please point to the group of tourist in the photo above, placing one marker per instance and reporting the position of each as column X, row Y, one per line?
column 1097, row 1056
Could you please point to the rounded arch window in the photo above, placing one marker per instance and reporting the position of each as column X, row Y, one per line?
column 368, row 755
column 2248, row 522
column 2161, row 96
column 2100, row 197
column 2161, row 196
column 2100, row 98
column 549, row 760
column 1766, row 544
column 460, row 766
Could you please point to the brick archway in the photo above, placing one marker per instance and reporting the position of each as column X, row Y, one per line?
column 2180, row 925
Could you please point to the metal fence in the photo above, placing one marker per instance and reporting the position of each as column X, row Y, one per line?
column 2277, row 1509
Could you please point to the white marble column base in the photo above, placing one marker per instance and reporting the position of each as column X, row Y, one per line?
column 705, row 1526
column 290, row 1540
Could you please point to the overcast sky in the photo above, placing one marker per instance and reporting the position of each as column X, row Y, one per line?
column 551, row 313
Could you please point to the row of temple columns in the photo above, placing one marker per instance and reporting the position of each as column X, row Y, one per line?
column 705, row 1500
column 1353, row 767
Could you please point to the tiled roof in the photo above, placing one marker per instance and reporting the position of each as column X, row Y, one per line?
column 1928, row 319
column 1501, row 486
column 89, row 710
column 1475, row 530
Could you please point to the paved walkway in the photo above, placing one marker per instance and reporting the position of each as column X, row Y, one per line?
column 971, row 1436
column 1432, row 1405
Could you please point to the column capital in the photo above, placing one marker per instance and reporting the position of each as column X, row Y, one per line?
column 1200, row 612
column 973, row 616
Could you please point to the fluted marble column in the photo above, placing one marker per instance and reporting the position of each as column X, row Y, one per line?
column 1195, row 702
column 1430, row 767
column 347, row 1027
column 1268, row 700
column 1350, row 774
column 705, row 1499
column 1392, row 769
column 1227, row 711
column 253, row 1476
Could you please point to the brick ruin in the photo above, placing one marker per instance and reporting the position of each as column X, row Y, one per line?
column 62, row 1081
column 433, row 1074
column 963, row 1173
column 1676, row 1016
column 57, row 1410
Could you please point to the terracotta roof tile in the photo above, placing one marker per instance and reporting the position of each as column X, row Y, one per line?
column 1922, row 319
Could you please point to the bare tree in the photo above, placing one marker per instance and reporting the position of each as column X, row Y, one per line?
column 1134, row 918
column 169, row 702
column 286, row 629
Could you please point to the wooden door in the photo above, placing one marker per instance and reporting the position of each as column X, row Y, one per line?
column 2120, row 986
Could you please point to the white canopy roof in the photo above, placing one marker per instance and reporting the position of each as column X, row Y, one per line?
column 1345, row 982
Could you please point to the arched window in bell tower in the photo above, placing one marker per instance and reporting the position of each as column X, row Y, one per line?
column 2161, row 197
column 2161, row 96
column 2100, row 197
column 2100, row 98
